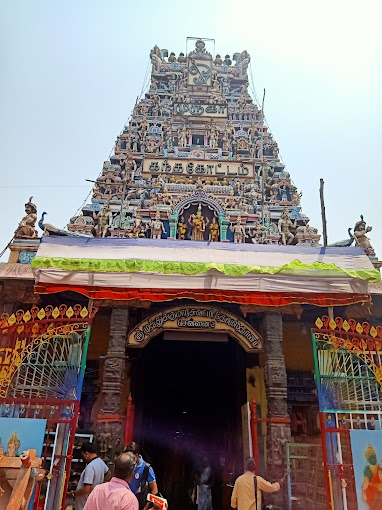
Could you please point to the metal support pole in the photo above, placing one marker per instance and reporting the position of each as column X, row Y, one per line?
column 255, row 442
column 129, row 425
column 327, row 475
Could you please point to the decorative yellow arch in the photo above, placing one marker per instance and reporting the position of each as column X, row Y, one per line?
column 196, row 318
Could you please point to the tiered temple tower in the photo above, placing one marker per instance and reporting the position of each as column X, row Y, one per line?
column 196, row 161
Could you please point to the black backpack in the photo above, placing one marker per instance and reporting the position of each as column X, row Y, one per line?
column 143, row 488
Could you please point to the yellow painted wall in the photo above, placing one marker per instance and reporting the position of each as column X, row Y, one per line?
column 297, row 347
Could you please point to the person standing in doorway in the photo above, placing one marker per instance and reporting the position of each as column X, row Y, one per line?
column 247, row 490
column 204, row 486
column 116, row 494
column 143, row 481
column 95, row 473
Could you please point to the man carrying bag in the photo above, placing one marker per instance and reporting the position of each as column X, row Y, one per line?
column 247, row 490
column 143, row 481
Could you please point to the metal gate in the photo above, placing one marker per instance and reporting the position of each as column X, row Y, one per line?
column 348, row 369
column 42, row 364
column 306, row 484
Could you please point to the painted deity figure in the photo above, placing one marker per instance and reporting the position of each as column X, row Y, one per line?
column 252, row 132
column 214, row 231
column 172, row 82
column 213, row 137
column 198, row 224
column 231, row 200
column 360, row 231
column 157, row 227
column 226, row 144
column 284, row 224
column 372, row 476
column 165, row 197
column 143, row 126
column 13, row 446
column 258, row 234
column 104, row 220
column 26, row 226
column 153, row 199
column 182, row 229
column 244, row 89
column 137, row 229
column 275, row 149
column 238, row 230
column 182, row 137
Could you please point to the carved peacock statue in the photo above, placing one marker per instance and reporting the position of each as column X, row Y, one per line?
column 47, row 228
column 345, row 242
column 50, row 229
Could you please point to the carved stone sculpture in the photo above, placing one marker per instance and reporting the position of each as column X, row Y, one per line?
column 238, row 230
column 276, row 390
column 103, row 219
column 258, row 234
column 182, row 228
column 138, row 229
column 214, row 231
column 26, row 226
column 103, row 439
column 284, row 224
column 165, row 197
column 182, row 137
column 198, row 224
column 231, row 201
column 109, row 428
column 360, row 231
column 157, row 227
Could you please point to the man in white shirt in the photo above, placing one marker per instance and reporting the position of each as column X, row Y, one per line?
column 94, row 474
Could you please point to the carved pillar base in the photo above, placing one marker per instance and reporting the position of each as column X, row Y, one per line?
column 109, row 426
column 278, row 434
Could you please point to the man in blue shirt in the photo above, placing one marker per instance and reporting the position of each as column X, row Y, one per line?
column 143, row 481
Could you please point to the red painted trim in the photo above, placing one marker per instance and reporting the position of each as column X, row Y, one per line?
column 105, row 418
column 206, row 295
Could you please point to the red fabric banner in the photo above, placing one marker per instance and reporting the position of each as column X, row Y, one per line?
column 206, row 295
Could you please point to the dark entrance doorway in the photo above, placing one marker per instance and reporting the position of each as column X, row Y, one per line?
column 188, row 397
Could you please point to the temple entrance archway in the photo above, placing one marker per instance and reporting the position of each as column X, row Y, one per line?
column 188, row 397
column 196, row 318
column 189, row 387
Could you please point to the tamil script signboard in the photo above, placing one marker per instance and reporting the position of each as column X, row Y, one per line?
column 196, row 318
column 198, row 167
column 200, row 110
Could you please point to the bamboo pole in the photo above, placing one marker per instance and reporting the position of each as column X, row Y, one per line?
column 323, row 215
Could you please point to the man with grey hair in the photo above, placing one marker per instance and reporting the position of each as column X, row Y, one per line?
column 116, row 494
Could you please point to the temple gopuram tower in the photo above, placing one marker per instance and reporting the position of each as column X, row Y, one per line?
column 197, row 141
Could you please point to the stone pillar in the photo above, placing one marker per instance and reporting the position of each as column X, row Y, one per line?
column 278, row 434
column 109, row 426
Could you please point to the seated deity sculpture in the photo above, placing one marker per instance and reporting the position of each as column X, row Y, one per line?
column 284, row 225
column 26, row 226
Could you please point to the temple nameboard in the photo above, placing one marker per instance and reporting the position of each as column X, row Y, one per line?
column 198, row 167
column 196, row 318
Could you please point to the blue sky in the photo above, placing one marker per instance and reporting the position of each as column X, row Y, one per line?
column 71, row 72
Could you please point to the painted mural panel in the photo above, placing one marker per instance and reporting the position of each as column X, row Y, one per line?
column 367, row 460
